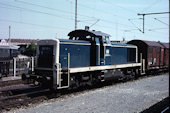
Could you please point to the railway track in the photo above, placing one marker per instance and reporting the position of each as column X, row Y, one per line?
column 17, row 100
column 10, row 82
column 16, row 91
column 22, row 97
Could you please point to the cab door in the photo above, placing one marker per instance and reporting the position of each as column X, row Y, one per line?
column 97, row 51
column 102, row 49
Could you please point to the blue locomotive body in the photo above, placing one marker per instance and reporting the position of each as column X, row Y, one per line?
column 120, row 54
column 88, row 56
column 78, row 53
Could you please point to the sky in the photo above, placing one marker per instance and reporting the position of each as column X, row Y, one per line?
column 44, row 19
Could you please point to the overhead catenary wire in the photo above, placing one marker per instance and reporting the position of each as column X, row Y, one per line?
column 32, row 24
column 72, row 12
column 108, row 27
column 35, row 11
column 38, row 25
column 50, row 14
column 162, row 17
column 151, row 29
column 28, row 3
column 87, row 19
column 135, row 25
column 104, row 11
column 161, row 21
column 151, row 5
column 155, row 13
column 116, row 23
column 156, row 29
column 125, row 9
column 135, row 19
column 54, row 9
column 155, row 32
column 51, row 26
column 94, row 23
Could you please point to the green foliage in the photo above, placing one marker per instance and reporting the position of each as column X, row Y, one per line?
column 30, row 49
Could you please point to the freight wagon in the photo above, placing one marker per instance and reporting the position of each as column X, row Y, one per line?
column 156, row 54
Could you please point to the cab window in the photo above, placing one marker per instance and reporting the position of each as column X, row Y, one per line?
column 107, row 40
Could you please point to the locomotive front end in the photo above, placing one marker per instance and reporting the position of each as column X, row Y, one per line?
column 47, row 63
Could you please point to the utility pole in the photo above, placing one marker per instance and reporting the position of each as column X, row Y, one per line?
column 75, row 14
column 143, row 23
column 9, row 41
column 144, row 14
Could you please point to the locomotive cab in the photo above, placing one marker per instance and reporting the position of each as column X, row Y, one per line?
column 97, row 39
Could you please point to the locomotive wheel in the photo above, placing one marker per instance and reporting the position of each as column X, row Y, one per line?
column 77, row 84
column 36, row 83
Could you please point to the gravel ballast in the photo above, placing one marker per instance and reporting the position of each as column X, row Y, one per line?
column 130, row 97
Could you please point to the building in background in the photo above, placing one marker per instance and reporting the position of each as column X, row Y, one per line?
column 8, row 51
column 22, row 43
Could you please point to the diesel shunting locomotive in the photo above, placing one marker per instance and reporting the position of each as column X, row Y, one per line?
column 86, row 58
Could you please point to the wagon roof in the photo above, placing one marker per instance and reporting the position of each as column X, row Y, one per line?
column 166, row 45
column 151, row 43
column 87, row 32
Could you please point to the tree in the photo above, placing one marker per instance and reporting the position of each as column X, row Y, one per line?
column 31, row 49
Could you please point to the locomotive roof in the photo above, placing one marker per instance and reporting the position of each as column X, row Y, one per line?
column 81, row 32
column 122, row 44
column 73, row 41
